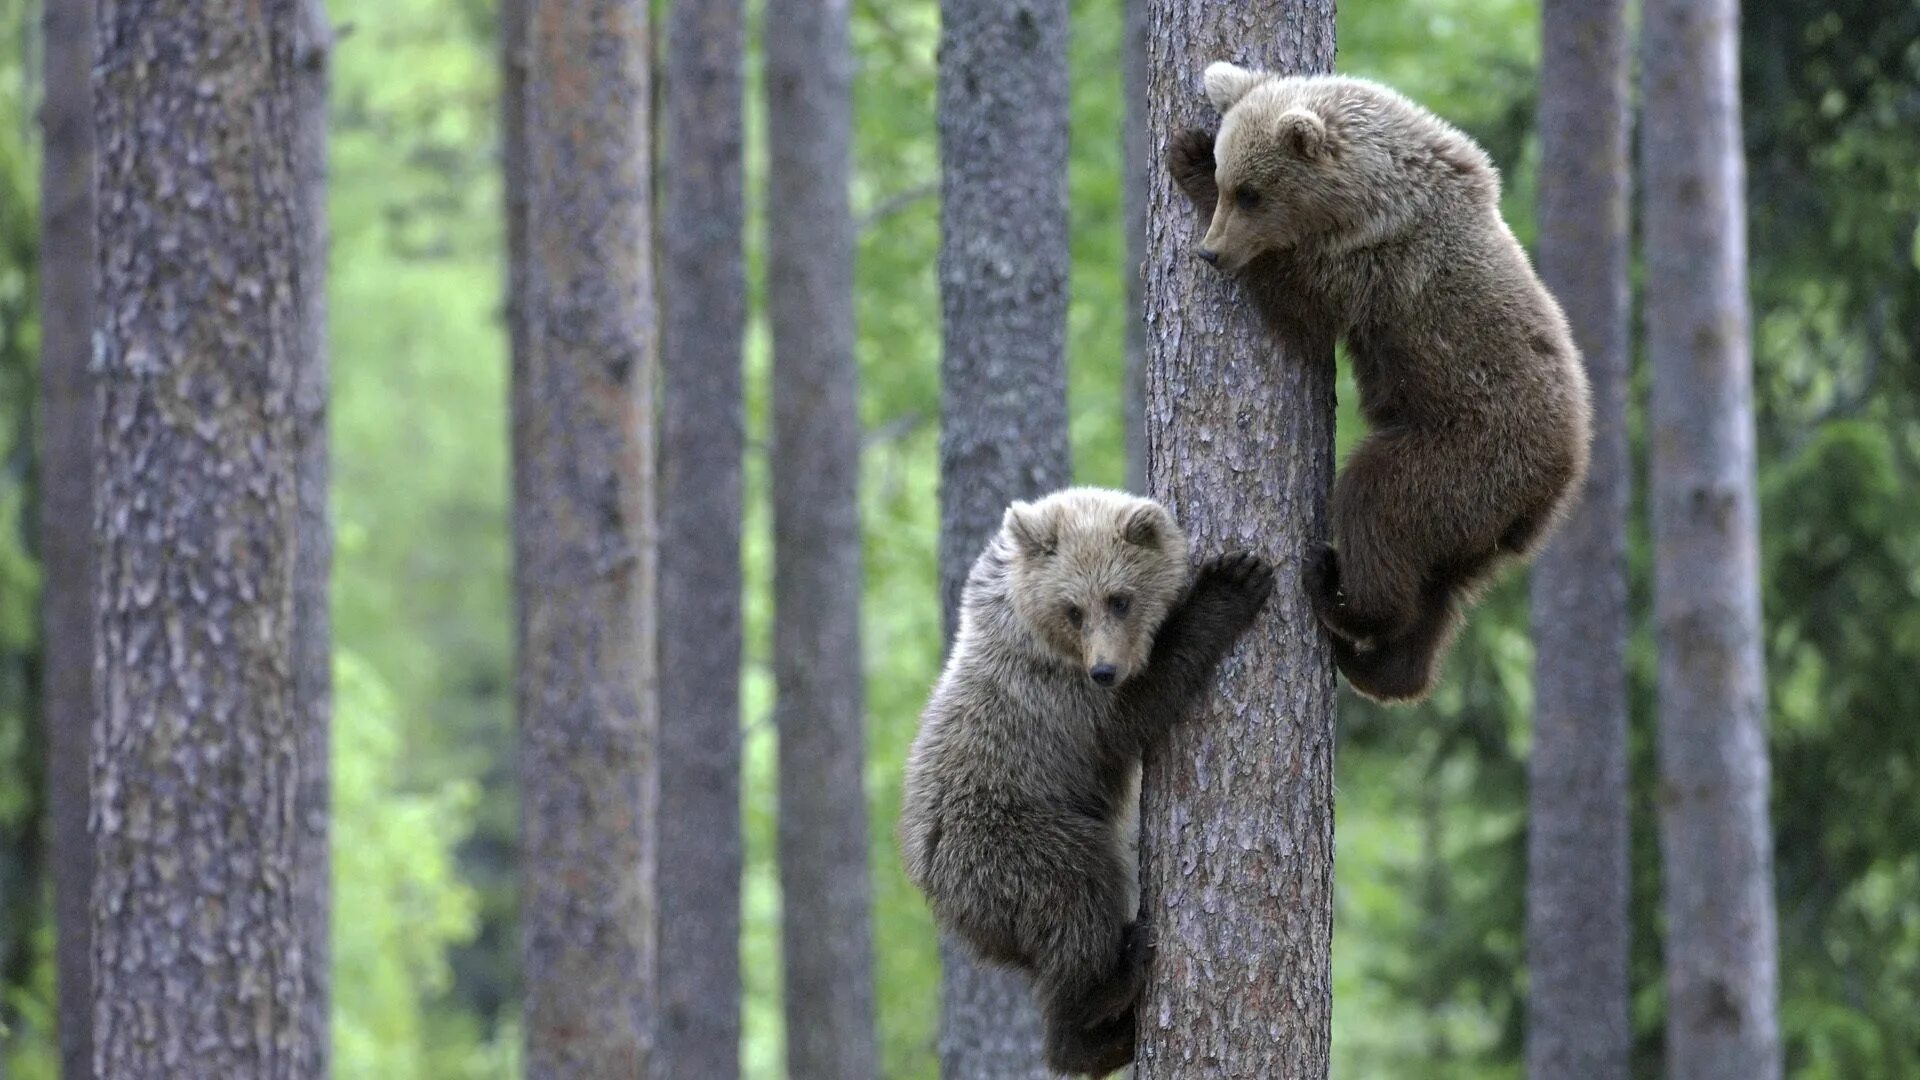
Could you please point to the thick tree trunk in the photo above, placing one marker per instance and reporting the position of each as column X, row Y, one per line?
column 1139, row 163
column 199, row 941
column 1577, row 866
column 1237, row 841
column 1003, row 105
column 66, row 502
column 704, row 292
column 824, row 878
column 1715, row 838
column 584, row 541
column 313, row 532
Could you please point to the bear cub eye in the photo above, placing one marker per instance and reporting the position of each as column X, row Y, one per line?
column 1246, row 198
column 1075, row 615
column 1118, row 603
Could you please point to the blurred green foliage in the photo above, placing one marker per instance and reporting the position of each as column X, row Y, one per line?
column 1429, row 973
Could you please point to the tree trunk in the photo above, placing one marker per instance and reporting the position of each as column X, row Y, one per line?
column 1003, row 114
column 1715, row 839
column 1138, row 163
column 704, row 291
column 66, row 507
column 1237, row 841
column 584, row 540
column 199, row 935
column 313, row 532
column 824, row 878
column 1577, row 837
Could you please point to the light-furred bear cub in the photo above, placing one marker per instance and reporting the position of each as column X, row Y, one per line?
column 1082, row 639
column 1346, row 209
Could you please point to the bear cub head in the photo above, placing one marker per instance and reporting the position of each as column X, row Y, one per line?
column 1324, row 160
column 1093, row 575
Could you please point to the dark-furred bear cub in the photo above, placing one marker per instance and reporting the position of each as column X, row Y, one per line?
column 1081, row 640
column 1346, row 209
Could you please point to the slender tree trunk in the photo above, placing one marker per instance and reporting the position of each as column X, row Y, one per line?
column 199, row 935
column 1715, row 838
column 313, row 539
column 1003, row 107
column 1237, row 841
column 824, row 876
column 1577, row 857
column 704, row 289
column 66, row 501
column 584, row 540
column 1139, row 163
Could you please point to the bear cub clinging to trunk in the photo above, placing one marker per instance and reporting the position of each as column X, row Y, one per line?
column 1081, row 640
column 1346, row 209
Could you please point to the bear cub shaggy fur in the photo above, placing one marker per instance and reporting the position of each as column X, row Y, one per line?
column 1084, row 634
column 1345, row 209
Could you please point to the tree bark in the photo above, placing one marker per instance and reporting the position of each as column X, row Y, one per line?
column 704, row 290
column 313, row 533
column 66, row 507
column 584, row 540
column 1715, row 838
column 1577, row 838
column 1139, row 163
column 1237, row 841
column 1003, row 115
column 824, row 878
column 199, row 937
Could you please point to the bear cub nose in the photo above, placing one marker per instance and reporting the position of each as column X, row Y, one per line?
column 1212, row 258
column 1103, row 674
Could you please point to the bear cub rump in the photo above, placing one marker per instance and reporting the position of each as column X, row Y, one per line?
column 1084, row 634
column 1345, row 209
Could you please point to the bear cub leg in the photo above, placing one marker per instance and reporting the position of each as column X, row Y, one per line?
column 1190, row 160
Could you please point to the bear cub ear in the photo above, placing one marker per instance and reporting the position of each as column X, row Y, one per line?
column 1227, row 83
column 1302, row 131
column 1145, row 526
column 1032, row 530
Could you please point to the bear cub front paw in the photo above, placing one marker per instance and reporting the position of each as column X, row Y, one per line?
column 1190, row 160
column 1233, row 588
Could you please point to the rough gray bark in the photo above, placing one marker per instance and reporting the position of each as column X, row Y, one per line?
column 313, row 534
column 1577, row 836
column 1715, row 837
column 1237, row 837
column 1003, row 109
column 199, row 958
column 824, row 879
column 584, row 540
column 704, row 292
column 1138, row 161
column 66, row 501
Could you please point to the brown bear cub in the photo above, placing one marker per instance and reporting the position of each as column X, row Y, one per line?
column 1084, row 635
column 1345, row 209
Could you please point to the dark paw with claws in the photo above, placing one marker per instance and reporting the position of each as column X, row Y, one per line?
column 1234, row 586
column 1190, row 160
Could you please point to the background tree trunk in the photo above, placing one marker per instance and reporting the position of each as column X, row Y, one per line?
column 1137, row 163
column 1715, row 838
column 313, row 533
column 1237, row 841
column 584, row 541
column 824, row 878
column 199, row 939
column 66, row 508
column 1577, row 866
column 704, row 291
column 1003, row 115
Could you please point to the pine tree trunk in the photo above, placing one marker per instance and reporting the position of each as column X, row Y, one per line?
column 66, row 493
column 313, row 532
column 584, row 540
column 1138, row 163
column 824, row 878
column 1237, row 838
column 1577, row 837
column 199, row 940
column 704, row 293
column 1715, row 837
column 1003, row 108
